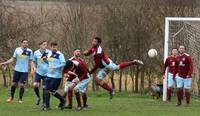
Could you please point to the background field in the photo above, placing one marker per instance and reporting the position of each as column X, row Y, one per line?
column 100, row 105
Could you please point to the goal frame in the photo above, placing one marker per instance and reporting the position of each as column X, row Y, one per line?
column 166, row 45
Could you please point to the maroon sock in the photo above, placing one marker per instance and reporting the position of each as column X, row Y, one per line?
column 70, row 96
column 187, row 94
column 169, row 94
column 125, row 64
column 180, row 96
column 84, row 97
column 78, row 99
column 106, row 87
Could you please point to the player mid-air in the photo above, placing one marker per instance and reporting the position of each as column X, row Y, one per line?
column 184, row 69
column 41, row 66
column 22, row 55
column 77, row 66
column 170, row 64
column 105, row 64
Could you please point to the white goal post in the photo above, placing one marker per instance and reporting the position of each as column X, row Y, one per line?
column 166, row 44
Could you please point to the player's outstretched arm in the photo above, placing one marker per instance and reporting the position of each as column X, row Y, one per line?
column 87, row 52
column 33, row 67
column 190, row 67
column 8, row 62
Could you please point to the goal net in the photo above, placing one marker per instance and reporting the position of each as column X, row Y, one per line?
column 183, row 31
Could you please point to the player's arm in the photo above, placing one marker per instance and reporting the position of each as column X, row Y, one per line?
column 32, row 64
column 11, row 60
column 8, row 61
column 62, row 62
column 76, row 79
column 190, row 66
column 176, row 69
column 166, row 64
column 87, row 52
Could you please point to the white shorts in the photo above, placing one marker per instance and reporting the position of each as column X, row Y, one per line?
column 103, row 72
column 82, row 85
column 68, row 85
column 170, row 81
column 185, row 83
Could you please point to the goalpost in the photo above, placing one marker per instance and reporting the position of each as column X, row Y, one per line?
column 181, row 31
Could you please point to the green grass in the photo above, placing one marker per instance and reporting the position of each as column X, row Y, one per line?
column 99, row 105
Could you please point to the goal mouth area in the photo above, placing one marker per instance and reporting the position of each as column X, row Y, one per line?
column 183, row 31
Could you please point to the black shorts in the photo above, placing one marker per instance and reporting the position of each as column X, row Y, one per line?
column 20, row 77
column 52, row 84
column 38, row 79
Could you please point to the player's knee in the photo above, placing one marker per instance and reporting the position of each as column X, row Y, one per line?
column 36, row 84
column 21, row 85
column 53, row 92
column 14, row 84
column 117, row 67
column 98, row 81
column 187, row 90
column 76, row 90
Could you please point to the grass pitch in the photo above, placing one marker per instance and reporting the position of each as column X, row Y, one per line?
column 99, row 105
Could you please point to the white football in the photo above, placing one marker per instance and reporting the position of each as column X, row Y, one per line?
column 152, row 53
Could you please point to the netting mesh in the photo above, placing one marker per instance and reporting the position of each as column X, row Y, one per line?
column 187, row 33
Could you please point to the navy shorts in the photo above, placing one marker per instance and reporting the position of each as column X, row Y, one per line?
column 52, row 84
column 20, row 77
column 38, row 79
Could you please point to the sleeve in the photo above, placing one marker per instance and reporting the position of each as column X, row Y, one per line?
column 34, row 57
column 15, row 54
column 166, row 64
column 175, row 70
column 62, row 61
column 31, row 55
column 89, row 52
column 190, row 66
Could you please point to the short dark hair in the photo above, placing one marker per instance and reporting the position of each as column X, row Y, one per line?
column 54, row 44
column 68, row 65
column 42, row 42
column 76, row 49
column 24, row 40
column 98, row 39
column 174, row 48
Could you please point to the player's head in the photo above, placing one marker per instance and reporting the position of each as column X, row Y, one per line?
column 96, row 41
column 54, row 46
column 43, row 44
column 181, row 49
column 24, row 43
column 77, row 52
column 69, row 65
column 174, row 51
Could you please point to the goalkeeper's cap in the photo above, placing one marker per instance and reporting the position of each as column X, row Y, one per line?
column 69, row 64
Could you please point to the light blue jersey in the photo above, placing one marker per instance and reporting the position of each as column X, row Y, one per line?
column 57, row 60
column 22, row 57
column 42, row 64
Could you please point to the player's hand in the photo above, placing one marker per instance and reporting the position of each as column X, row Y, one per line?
column 85, row 52
column 65, row 75
column 76, row 80
column 1, row 64
column 163, row 77
column 188, row 76
column 44, row 58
